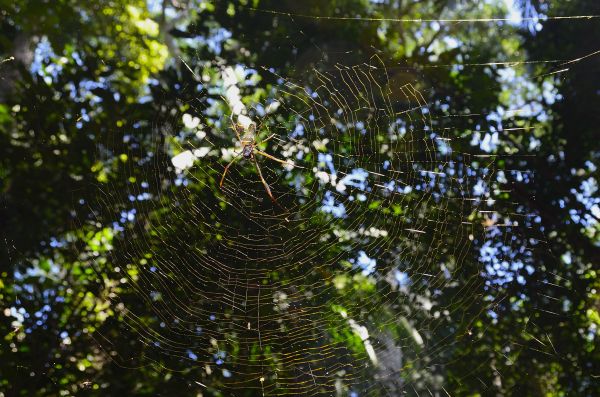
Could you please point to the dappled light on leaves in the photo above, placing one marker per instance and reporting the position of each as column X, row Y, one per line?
column 268, row 198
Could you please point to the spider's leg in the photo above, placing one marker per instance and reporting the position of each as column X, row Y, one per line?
column 235, row 128
column 265, row 184
column 276, row 159
column 265, row 140
column 227, row 168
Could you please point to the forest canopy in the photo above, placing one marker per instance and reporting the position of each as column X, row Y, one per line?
column 337, row 198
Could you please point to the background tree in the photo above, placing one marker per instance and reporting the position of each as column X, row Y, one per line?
column 123, row 266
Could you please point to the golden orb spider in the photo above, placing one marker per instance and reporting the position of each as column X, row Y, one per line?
column 247, row 128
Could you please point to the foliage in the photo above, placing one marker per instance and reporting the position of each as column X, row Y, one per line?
column 102, row 96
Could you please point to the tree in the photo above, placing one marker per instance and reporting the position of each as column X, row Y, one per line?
column 128, row 271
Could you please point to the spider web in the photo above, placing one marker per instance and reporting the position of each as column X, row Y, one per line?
column 391, row 240
column 352, row 282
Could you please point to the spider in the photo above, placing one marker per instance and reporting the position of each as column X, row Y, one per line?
column 247, row 139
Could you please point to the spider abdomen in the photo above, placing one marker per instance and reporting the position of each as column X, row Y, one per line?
column 247, row 152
